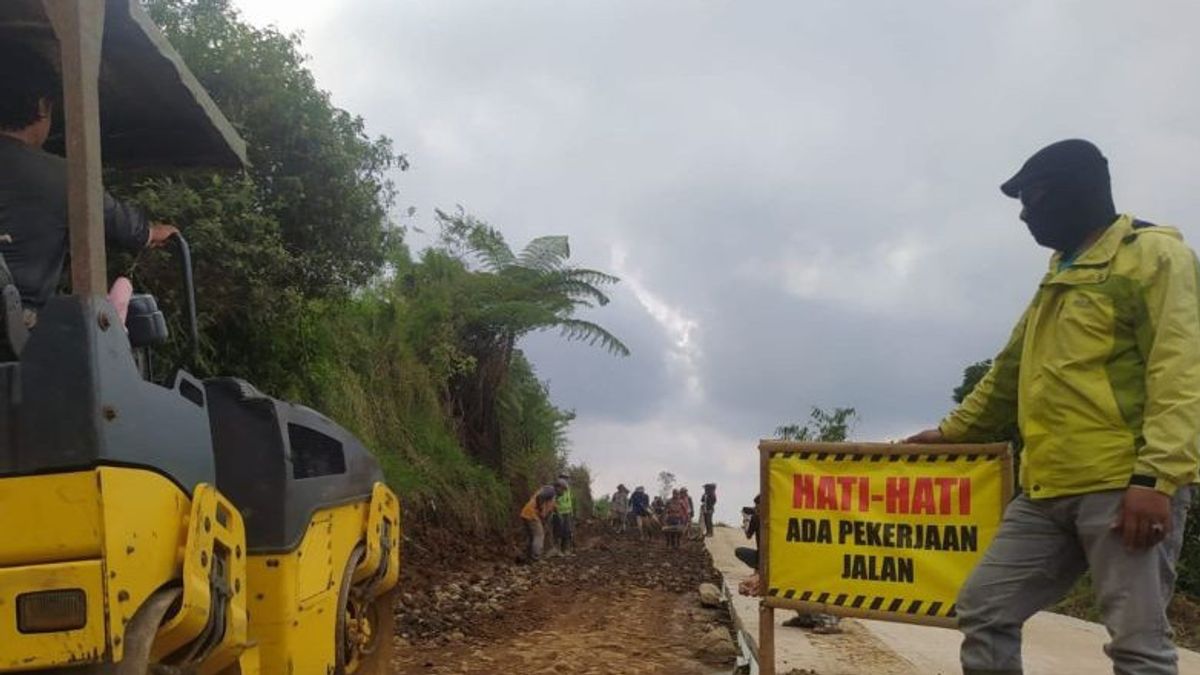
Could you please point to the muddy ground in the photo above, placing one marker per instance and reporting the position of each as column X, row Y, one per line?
column 617, row 605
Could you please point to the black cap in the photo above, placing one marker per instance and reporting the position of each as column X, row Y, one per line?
column 1054, row 160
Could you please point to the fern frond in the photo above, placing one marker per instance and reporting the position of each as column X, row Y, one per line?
column 545, row 254
column 593, row 277
column 593, row 334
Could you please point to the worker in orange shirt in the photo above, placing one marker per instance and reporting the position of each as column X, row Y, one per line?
column 535, row 513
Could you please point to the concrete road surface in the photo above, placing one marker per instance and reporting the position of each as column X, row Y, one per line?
column 1054, row 644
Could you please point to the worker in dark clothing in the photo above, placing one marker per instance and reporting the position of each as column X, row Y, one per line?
column 639, row 505
column 815, row 621
column 708, row 505
column 751, row 528
column 33, row 184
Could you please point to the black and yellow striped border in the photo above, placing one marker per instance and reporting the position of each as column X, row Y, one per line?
column 873, row 603
column 878, row 457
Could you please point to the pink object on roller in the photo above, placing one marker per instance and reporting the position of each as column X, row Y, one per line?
column 119, row 295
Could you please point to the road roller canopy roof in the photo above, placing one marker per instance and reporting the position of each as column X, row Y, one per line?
column 153, row 111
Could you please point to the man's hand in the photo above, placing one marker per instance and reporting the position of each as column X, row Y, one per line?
column 1145, row 517
column 927, row 437
column 160, row 233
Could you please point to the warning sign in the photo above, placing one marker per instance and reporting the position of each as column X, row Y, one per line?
column 879, row 530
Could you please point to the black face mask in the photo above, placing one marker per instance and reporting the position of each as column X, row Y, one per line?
column 1059, row 220
column 1066, row 194
column 1066, row 209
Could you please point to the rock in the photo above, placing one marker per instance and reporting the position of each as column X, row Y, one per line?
column 710, row 595
column 716, row 645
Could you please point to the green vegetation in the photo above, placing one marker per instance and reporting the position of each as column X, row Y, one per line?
column 306, row 288
column 822, row 426
column 1189, row 557
column 972, row 374
column 602, row 507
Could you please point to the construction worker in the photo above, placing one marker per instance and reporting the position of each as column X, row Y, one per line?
column 753, row 530
column 676, row 518
column 639, row 506
column 620, row 507
column 708, row 505
column 658, row 516
column 33, row 184
column 564, row 516
column 534, row 514
column 691, row 510
column 1102, row 377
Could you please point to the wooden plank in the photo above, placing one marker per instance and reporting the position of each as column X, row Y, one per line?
column 766, row 615
column 79, row 25
column 764, row 514
column 887, row 449
column 766, row 639
column 1009, row 482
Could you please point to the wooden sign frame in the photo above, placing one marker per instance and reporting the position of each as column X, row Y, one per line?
column 768, row 604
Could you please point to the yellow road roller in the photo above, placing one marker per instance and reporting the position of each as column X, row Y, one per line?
column 179, row 526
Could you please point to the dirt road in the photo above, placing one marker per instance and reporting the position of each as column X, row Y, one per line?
column 616, row 606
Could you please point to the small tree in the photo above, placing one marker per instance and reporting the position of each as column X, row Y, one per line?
column 602, row 507
column 826, row 427
column 666, row 483
column 580, row 477
column 972, row 374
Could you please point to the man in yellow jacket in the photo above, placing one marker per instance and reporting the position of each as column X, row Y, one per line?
column 1102, row 377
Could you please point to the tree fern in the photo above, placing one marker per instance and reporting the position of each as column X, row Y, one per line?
column 502, row 297
column 545, row 254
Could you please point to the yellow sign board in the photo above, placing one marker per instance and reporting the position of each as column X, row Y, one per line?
column 883, row 531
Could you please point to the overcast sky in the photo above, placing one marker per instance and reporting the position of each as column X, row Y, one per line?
column 800, row 197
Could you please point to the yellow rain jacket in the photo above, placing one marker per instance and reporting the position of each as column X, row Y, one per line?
column 1102, row 372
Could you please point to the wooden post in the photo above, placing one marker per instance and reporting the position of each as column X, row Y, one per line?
column 766, row 615
column 766, row 640
column 79, row 26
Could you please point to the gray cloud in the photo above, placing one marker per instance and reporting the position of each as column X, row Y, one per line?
column 801, row 196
